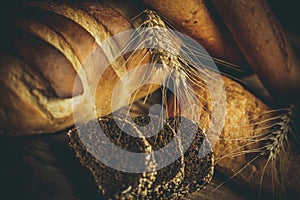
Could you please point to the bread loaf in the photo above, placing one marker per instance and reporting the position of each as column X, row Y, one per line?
column 45, row 47
column 186, row 174
column 197, row 19
column 265, row 45
column 254, row 145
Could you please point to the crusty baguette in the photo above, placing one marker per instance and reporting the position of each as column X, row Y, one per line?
column 195, row 19
column 264, row 44
column 53, row 43
column 108, row 17
column 33, row 50
column 24, row 105
column 87, row 18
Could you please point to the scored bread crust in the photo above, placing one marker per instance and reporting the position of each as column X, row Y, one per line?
column 73, row 33
column 109, row 18
column 56, row 40
column 92, row 25
column 22, row 94
column 33, row 51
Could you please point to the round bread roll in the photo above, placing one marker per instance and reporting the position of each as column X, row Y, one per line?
column 46, row 47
